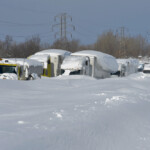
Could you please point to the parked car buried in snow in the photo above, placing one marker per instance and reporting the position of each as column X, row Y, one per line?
column 140, row 67
column 146, row 68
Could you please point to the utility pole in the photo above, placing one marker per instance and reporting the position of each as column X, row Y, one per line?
column 61, row 23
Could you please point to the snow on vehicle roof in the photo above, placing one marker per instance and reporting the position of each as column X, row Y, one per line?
column 129, row 60
column 53, row 52
column 41, row 58
column 73, row 62
column 147, row 66
column 21, row 61
column 106, row 61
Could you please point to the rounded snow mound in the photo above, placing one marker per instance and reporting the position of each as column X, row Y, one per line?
column 139, row 76
column 106, row 61
column 54, row 52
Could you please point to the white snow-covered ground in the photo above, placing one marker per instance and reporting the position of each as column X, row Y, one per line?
column 75, row 113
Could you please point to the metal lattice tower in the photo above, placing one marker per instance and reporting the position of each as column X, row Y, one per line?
column 122, row 40
column 61, row 23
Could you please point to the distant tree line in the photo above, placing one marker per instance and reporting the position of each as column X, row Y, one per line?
column 108, row 42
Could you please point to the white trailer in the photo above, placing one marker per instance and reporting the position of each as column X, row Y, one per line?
column 56, row 57
column 91, row 63
column 127, row 66
column 20, row 68
column 45, row 60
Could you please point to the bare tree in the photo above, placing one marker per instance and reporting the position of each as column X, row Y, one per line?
column 107, row 43
column 72, row 45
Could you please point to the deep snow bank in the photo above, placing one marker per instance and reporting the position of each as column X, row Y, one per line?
column 75, row 113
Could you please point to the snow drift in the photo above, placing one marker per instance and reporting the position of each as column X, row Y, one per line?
column 76, row 113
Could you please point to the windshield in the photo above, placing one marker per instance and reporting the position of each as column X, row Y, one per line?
column 7, row 69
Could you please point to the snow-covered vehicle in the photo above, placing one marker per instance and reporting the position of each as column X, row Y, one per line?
column 146, row 68
column 141, row 67
column 91, row 63
column 46, row 62
column 127, row 66
column 121, row 70
column 20, row 69
column 52, row 60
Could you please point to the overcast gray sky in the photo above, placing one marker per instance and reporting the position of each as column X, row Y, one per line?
column 23, row 18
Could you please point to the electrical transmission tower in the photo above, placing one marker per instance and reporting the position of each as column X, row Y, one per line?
column 122, row 40
column 61, row 23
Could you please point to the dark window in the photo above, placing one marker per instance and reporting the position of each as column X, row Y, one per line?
column 146, row 71
column 62, row 71
column 7, row 69
column 86, row 63
column 48, row 61
column 75, row 72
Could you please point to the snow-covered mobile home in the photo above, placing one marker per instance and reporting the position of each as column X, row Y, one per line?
column 127, row 66
column 45, row 61
column 52, row 60
column 20, row 69
column 91, row 63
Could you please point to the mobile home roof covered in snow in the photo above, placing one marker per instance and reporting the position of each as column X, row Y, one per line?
column 132, row 61
column 53, row 52
column 41, row 58
column 107, row 62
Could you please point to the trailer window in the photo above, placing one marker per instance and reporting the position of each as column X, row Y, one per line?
column 146, row 71
column 62, row 71
column 7, row 69
column 75, row 72
column 86, row 63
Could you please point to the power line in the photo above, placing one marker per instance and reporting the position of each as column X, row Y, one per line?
column 27, row 9
column 22, row 24
column 44, row 34
column 87, row 36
